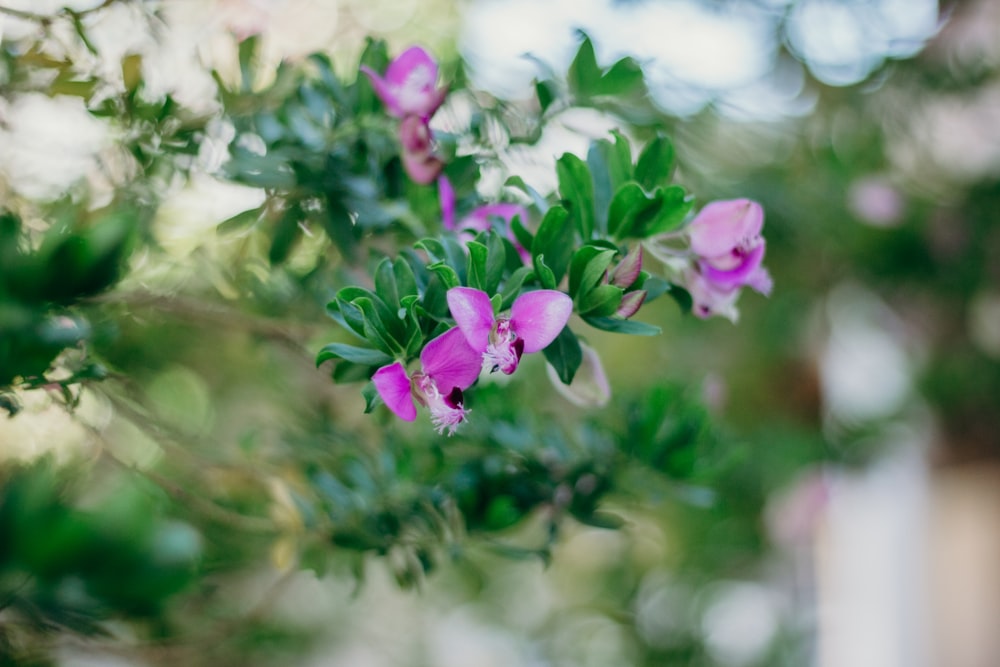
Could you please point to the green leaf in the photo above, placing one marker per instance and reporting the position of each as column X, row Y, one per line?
column 656, row 163
column 674, row 208
column 545, row 275
column 555, row 241
column 381, row 329
column 346, row 312
column 240, row 220
column 521, row 233
column 433, row 247
column 496, row 262
column 577, row 188
column 406, row 281
column 358, row 355
column 588, row 267
column 600, row 174
column 617, row 325
column 477, row 265
column 622, row 79
column 512, row 288
column 601, row 301
column 584, row 74
column 628, row 203
column 372, row 398
column 385, row 283
column 285, row 235
column 654, row 286
column 565, row 355
column 537, row 199
column 547, row 93
column 682, row 297
column 448, row 276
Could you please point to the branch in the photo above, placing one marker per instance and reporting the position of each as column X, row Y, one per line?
column 45, row 19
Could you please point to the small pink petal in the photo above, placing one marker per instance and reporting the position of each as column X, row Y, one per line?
column 630, row 304
column 473, row 314
column 738, row 275
column 422, row 168
column 479, row 219
column 384, row 90
column 761, row 281
column 450, row 362
column 538, row 317
column 403, row 67
column 627, row 271
column 393, row 386
column 724, row 225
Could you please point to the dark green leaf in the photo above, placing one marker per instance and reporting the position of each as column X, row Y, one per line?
column 357, row 355
column 584, row 73
column 565, row 355
column 477, row 265
column 588, row 266
column 285, row 235
column 622, row 326
column 656, row 163
column 622, row 79
column 554, row 240
column 512, row 288
column 447, row 275
column 385, row 283
column 544, row 274
column 372, row 398
column 674, row 208
column 546, row 92
column 577, row 188
column 406, row 282
column 628, row 203
column 600, row 301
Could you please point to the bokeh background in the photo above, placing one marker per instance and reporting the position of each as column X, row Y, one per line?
column 841, row 506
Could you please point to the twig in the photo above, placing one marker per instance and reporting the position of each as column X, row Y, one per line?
column 45, row 19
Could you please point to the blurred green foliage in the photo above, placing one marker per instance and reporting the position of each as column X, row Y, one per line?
column 160, row 519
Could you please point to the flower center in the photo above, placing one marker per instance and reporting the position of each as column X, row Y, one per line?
column 447, row 411
column 504, row 349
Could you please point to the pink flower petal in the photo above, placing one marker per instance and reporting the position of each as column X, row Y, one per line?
column 724, row 225
column 737, row 276
column 422, row 168
column 480, row 217
column 407, row 62
column 628, row 270
column 473, row 314
column 631, row 302
column 538, row 317
column 393, row 386
column 446, row 197
column 384, row 90
column 450, row 362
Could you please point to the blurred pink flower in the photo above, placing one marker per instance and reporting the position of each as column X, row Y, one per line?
column 419, row 160
column 729, row 249
column 481, row 218
column 409, row 87
column 536, row 318
column 448, row 367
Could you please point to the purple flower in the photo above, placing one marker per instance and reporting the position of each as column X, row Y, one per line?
column 419, row 160
column 536, row 318
column 729, row 249
column 409, row 87
column 481, row 217
column 448, row 367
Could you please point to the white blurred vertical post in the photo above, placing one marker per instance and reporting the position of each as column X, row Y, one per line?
column 871, row 567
